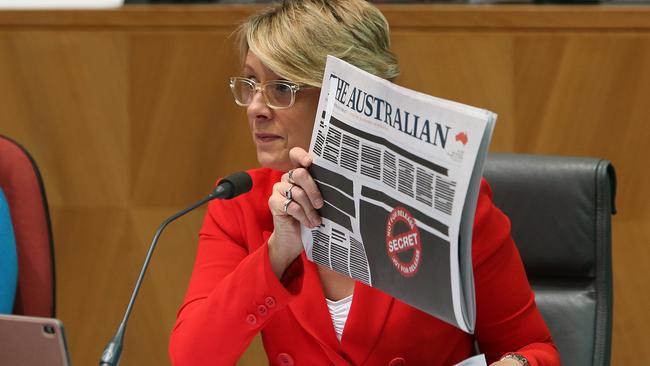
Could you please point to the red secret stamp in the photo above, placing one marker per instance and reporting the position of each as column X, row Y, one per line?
column 408, row 241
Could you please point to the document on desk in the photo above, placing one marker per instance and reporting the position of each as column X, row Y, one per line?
column 478, row 360
column 399, row 172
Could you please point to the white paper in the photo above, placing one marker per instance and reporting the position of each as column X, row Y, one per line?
column 478, row 360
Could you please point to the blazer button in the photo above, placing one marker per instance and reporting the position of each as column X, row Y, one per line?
column 397, row 361
column 251, row 319
column 262, row 310
column 269, row 301
column 285, row 359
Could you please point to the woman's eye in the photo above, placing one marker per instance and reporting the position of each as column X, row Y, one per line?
column 282, row 88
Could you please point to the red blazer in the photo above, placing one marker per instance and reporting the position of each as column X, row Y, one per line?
column 233, row 294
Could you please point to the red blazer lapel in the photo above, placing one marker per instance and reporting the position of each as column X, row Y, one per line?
column 370, row 308
column 310, row 310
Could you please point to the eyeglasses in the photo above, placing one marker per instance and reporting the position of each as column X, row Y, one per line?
column 278, row 94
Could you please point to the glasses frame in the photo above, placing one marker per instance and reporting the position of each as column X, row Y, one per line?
column 259, row 87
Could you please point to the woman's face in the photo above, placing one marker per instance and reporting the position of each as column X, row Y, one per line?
column 276, row 131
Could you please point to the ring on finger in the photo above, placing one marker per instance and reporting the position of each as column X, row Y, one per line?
column 286, row 204
column 288, row 193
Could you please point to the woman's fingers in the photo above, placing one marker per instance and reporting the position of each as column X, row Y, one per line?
column 290, row 199
column 287, row 207
column 300, row 175
column 301, row 178
column 299, row 195
column 300, row 157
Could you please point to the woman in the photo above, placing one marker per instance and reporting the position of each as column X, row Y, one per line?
column 251, row 273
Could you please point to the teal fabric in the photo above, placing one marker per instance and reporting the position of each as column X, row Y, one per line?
column 8, row 259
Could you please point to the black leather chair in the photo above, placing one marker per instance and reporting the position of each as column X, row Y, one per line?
column 560, row 209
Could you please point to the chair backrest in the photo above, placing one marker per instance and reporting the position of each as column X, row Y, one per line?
column 23, row 188
column 560, row 209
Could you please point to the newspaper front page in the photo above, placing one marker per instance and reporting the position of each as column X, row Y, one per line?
column 395, row 167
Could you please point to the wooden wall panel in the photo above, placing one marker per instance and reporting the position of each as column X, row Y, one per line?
column 61, row 91
column 129, row 117
column 468, row 67
column 186, row 125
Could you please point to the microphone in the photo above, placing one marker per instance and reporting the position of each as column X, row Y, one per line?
column 229, row 187
column 232, row 186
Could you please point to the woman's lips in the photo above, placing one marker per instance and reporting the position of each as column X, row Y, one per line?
column 266, row 137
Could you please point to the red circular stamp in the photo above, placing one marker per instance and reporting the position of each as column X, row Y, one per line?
column 403, row 242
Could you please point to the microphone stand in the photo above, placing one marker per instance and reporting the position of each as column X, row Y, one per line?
column 113, row 350
column 229, row 187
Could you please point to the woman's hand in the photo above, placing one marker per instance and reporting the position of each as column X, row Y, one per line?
column 293, row 202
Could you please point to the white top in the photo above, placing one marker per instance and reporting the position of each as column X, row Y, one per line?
column 339, row 311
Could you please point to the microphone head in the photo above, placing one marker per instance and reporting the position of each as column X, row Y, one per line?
column 233, row 185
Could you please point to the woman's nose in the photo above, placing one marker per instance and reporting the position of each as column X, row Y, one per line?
column 258, row 108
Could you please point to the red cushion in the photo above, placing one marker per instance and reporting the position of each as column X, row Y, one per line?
column 21, row 182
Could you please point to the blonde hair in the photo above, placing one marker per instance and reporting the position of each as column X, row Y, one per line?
column 294, row 38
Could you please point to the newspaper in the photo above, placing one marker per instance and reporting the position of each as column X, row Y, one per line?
column 399, row 172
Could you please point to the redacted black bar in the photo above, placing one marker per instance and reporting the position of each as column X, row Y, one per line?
column 333, row 214
column 337, row 199
column 383, row 197
column 333, row 179
column 382, row 141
